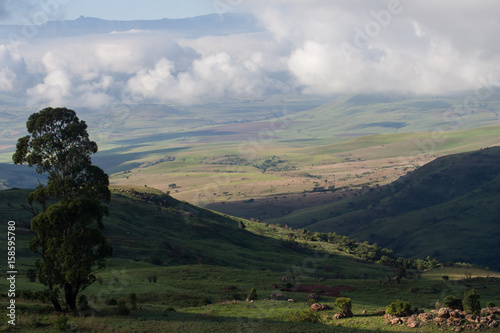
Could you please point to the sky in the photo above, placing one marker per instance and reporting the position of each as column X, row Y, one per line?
column 316, row 47
column 138, row 9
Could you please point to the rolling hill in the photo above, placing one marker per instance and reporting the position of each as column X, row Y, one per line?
column 446, row 209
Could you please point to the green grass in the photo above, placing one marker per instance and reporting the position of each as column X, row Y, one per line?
column 209, row 294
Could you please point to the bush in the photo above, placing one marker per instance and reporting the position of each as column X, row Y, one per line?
column 307, row 316
column 345, row 306
column 111, row 301
column 252, row 295
column 490, row 305
column 31, row 275
column 471, row 302
column 122, row 309
column 311, row 301
column 61, row 323
column 453, row 302
column 399, row 308
column 83, row 303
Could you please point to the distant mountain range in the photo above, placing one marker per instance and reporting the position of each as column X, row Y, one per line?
column 213, row 24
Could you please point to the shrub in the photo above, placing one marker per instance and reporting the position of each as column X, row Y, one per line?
column 252, row 295
column 307, row 316
column 170, row 309
column 445, row 277
column 133, row 300
column 311, row 301
column 471, row 302
column 111, row 301
column 122, row 309
column 453, row 302
column 490, row 305
column 399, row 308
column 345, row 306
column 31, row 275
column 83, row 303
column 61, row 323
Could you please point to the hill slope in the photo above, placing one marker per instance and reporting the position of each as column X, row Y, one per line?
column 447, row 209
column 155, row 228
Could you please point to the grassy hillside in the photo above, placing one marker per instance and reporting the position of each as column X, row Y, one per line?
column 191, row 270
column 446, row 209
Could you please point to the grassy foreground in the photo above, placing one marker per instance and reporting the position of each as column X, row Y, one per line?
column 200, row 298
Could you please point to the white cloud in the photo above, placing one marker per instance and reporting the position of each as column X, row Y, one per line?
column 318, row 46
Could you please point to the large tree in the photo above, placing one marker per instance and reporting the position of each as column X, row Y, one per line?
column 67, row 223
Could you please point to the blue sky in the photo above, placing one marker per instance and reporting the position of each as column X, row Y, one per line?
column 137, row 9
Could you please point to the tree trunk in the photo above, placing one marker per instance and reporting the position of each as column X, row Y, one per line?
column 57, row 305
column 70, row 296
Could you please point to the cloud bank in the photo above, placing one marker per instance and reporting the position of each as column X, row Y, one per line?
column 313, row 47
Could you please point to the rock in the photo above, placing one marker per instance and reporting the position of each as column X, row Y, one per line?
column 338, row 316
column 490, row 311
column 493, row 324
column 380, row 312
column 396, row 321
column 320, row 307
column 456, row 314
column 363, row 312
column 291, row 300
column 444, row 313
column 425, row 316
column 413, row 323
column 472, row 318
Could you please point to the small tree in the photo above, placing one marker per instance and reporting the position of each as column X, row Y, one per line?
column 345, row 306
column 471, row 302
column 252, row 295
column 400, row 272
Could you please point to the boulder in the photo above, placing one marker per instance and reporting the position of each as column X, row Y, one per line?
column 490, row 311
column 320, row 307
column 413, row 323
column 291, row 300
column 396, row 321
column 425, row 316
column 494, row 324
column 457, row 314
column 472, row 318
column 444, row 313
column 339, row 315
